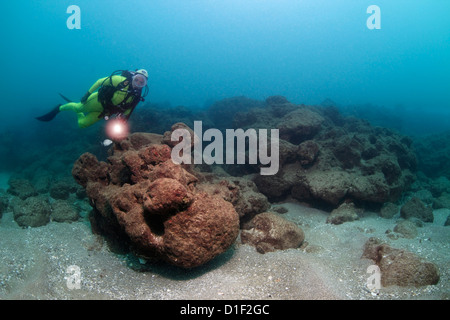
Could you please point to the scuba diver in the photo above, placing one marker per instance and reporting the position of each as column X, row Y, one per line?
column 117, row 95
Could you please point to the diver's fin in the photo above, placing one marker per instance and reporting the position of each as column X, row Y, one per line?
column 49, row 116
column 65, row 98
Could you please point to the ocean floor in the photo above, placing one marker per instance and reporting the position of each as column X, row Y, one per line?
column 46, row 262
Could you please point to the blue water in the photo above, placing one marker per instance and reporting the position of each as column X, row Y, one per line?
column 200, row 51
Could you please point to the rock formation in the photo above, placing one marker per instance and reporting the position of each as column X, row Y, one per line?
column 328, row 159
column 400, row 267
column 269, row 232
column 161, row 210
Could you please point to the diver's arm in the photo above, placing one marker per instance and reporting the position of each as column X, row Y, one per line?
column 96, row 85
column 115, row 80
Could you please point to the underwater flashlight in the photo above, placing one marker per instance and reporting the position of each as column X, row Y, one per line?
column 117, row 129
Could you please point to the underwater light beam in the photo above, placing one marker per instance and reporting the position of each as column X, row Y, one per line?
column 117, row 129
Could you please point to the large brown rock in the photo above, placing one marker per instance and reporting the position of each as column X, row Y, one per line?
column 344, row 213
column 144, row 202
column 269, row 232
column 415, row 208
column 206, row 229
column 400, row 267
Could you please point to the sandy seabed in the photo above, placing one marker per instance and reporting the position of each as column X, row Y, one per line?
column 36, row 264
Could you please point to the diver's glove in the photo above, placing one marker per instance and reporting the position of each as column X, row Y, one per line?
column 85, row 97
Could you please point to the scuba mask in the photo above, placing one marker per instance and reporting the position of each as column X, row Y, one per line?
column 139, row 81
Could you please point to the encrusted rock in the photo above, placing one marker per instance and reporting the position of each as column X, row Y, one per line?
column 21, row 188
column 167, row 138
column 327, row 186
column 442, row 202
column 388, row 210
column 400, row 267
column 307, row 152
column 61, row 189
column 300, row 125
column 269, row 232
column 415, row 208
column 62, row 211
column 406, row 228
column 206, row 229
column 145, row 203
column 242, row 193
column 338, row 158
column 31, row 212
column 344, row 213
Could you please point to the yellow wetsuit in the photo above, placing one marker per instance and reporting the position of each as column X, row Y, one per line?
column 88, row 112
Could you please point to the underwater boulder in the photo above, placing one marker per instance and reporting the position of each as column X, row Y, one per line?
column 300, row 125
column 415, row 208
column 167, row 137
column 371, row 188
column 206, row 229
column 442, row 202
column 277, row 186
column 307, row 152
column 63, row 211
column 21, row 188
column 389, row 210
column 348, row 151
column 269, row 232
column 400, row 267
column 31, row 212
column 152, row 206
column 328, row 187
column 406, row 228
column 344, row 213
column 287, row 152
column 61, row 189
